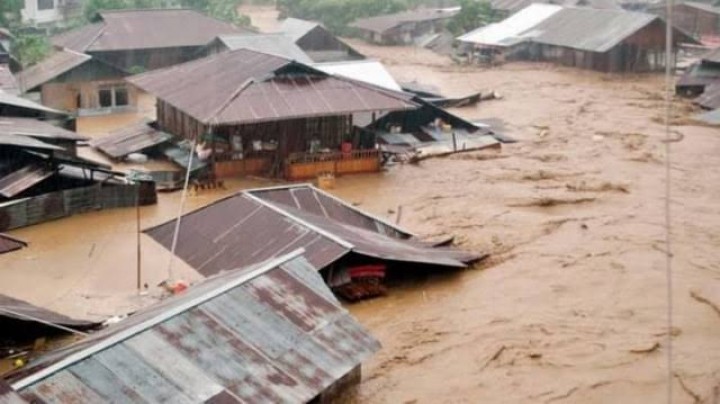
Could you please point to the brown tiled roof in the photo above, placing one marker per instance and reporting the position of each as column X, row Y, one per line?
column 146, row 29
column 244, row 86
column 61, row 61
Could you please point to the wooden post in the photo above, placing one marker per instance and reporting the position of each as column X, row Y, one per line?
column 139, row 252
column 454, row 138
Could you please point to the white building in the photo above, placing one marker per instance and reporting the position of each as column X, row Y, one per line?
column 48, row 12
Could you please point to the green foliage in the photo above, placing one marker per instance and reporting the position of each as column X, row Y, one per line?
column 337, row 14
column 474, row 14
column 30, row 48
column 10, row 13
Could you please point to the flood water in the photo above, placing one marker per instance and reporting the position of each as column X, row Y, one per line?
column 571, row 305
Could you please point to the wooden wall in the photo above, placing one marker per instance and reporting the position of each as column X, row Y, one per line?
column 64, row 96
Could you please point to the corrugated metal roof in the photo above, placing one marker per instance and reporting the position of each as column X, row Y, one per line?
column 8, row 83
column 710, row 98
column 61, row 61
column 369, row 71
column 19, row 102
column 383, row 23
column 244, row 86
column 296, row 28
column 8, row 395
column 699, row 74
column 589, row 29
column 510, row 30
column 271, row 44
column 256, row 225
column 10, row 244
column 36, row 129
column 26, row 141
column 21, row 310
column 24, row 179
column 131, row 139
column 146, row 29
column 272, row 333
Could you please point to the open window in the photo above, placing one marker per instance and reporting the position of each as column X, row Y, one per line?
column 113, row 96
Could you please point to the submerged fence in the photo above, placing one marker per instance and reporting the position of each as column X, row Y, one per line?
column 55, row 205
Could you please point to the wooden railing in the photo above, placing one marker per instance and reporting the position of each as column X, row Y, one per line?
column 295, row 158
column 300, row 166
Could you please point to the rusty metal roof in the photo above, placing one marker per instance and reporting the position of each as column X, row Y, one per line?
column 269, row 333
column 61, row 61
column 253, row 226
column 21, row 310
column 36, row 129
column 131, row 139
column 23, row 179
column 146, row 29
column 243, row 86
column 384, row 23
column 8, row 83
column 10, row 244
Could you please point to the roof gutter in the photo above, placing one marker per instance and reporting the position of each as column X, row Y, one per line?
column 134, row 330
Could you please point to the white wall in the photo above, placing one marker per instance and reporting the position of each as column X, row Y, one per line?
column 32, row 15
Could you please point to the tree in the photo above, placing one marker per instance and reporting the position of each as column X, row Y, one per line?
column 222, row 9
column 474, row 14
column 10, row 13
column 29, row 49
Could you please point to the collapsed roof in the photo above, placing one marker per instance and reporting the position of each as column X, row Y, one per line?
column 267, row 333
column 145, row 29
column 256, row 225
column 244, row 86
column 130, row 139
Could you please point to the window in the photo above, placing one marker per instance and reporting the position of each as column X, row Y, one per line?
column 46, row 4
column 109, row 97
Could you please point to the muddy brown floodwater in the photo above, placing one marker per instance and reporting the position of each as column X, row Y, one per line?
column 572, row 305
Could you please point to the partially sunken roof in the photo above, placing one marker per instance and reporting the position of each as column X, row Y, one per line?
column 272, row 44
column 145, row 29
column 256, row 225
column 270, row 333
column 131, row 139
column 61, row 61
column 10, row 244
column 245, row 86
column 383, row 23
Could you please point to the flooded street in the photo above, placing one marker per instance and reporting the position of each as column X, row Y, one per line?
column 571, row 306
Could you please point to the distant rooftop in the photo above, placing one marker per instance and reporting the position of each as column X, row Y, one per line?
column 383, row 23
column 273, row 44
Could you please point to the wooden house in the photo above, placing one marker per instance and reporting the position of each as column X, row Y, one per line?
column 404, row 28
column 254, row 113
column 85, row 72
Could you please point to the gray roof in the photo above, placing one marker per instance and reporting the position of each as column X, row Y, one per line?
column 19, row 102
column 272, row 44
column 296, row 28
column 588, row 29
column 383, row 23
column 269, row 333
column 36, row 129
column 61, row 61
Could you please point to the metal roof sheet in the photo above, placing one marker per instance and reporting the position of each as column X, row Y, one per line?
column 61, row 61
column 245, row 86
column 509, row 31
column 26, row 141
column 271, row 333
column 253, row 226
column 369, row 71
column 21, row 310
column 588, row 29
column 24, row 179
column 702, row 6
column 383, row 23
column 709, row 117
column 131, row 139
column 296, row 28
column 710, row 98
column 10, row 244
column 146, row 29
column 35, row 128
column 271, row 44
column 8, row 395
column 23, row 103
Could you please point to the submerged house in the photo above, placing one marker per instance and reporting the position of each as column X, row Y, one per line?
column 267, row 333
column 701, row 20
column 85, row 73
column 350, row 248
column 602, row 40
column 317, row 42
column 404, row 28
column 700, row 75
column 254, row 113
